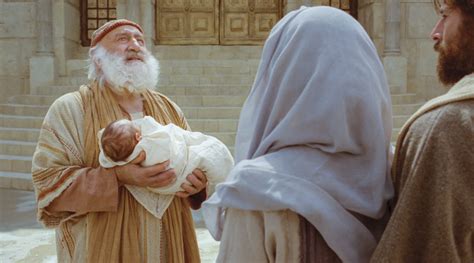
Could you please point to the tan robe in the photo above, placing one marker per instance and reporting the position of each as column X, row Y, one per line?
column 89, row 232
column 272, row 236
column 433, row 172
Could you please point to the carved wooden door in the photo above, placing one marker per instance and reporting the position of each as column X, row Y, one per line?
column 248, row 21
column 187, row 22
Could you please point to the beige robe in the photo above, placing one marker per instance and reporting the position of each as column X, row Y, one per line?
column 433, row 171
column 125, row 231
column 272, row 236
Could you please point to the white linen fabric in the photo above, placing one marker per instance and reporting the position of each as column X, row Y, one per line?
column 314, row 133
column 186, row 151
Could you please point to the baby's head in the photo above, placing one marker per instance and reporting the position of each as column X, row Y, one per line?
column 119, row 139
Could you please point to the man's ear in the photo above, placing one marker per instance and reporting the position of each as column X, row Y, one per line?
column 97, row 63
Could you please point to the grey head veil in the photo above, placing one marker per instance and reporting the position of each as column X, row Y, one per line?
column 314, row 133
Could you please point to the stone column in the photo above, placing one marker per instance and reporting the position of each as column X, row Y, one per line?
column 42, row 71
column 392, row 27
column 395, row 65
column 132, row 10
column 147, row 21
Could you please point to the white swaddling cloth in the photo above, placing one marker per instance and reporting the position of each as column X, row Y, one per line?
column 186, row 151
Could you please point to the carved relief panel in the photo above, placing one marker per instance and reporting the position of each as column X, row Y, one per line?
column 248, row 21
column 187, row 21
column 224, row 22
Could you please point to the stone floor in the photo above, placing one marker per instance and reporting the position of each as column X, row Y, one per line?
column 22, row 239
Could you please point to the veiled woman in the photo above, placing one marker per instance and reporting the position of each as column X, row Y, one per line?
column 311, row 181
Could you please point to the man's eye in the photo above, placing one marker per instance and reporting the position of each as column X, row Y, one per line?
column 122, row 39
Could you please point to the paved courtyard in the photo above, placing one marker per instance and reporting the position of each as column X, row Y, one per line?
column 22, row 239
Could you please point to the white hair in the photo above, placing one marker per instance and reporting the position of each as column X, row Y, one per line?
column 113, row 69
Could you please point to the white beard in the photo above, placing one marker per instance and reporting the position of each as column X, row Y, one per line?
column 135, row 76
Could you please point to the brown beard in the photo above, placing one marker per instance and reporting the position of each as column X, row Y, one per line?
column 456, row 58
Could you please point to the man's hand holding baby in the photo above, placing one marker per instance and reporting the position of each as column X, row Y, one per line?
column 196, row 182
column 152, row 176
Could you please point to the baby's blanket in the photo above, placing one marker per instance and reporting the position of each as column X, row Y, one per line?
column 186, row 151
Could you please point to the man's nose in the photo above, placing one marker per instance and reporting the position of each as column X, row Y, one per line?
column 134, row 45
column 437, row 32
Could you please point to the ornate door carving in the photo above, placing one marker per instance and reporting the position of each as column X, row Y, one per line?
column 187, row 22
column 248, row 21
column 227, row 22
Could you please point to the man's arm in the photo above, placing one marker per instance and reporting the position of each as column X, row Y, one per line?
column 96, row 190
column 433, row 215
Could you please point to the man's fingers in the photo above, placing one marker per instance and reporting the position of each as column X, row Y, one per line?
column 162, row 179
column 140, row 158
column 191, row 189
column 158, row 168
column 199, row 174
column 193, row 180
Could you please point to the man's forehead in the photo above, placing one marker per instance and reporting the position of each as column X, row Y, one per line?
column 125, row 29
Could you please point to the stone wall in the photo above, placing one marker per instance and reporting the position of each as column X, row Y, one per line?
column 418, row 18
column 371, row 15
column 18, row 40
column 66, row 32
column 208, row 65
column 17, row 45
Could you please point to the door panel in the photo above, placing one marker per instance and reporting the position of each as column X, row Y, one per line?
column 227, row 22
column 187, row 22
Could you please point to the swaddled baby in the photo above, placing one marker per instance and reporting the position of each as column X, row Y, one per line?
column 123, row 140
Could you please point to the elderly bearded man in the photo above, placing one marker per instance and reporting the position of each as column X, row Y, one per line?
column 433, row 169
column 96, row 219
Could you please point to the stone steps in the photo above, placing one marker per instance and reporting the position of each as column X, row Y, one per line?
column 185, row 96
column 211, row 112
column 55, row 91
column 194, row 107
column 19, row 121
column 228, row 138
column 15, row 180
column 395, row 132
column 402, row 99
column 208, row 100
column 44, row 100
column 19, row 134
column 227, row 79
column 179, row 79
column 24, row 110
column 399, row 120
column 169, row 90
column 213, row 125
column 15, row 147
column 15, row 163
column 204, row 90
column 405, row 109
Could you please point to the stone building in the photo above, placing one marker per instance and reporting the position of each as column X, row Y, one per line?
column 209, row 52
